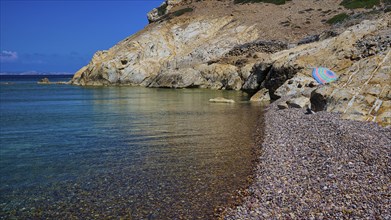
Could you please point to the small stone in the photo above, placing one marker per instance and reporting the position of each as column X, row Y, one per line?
column 282, row 105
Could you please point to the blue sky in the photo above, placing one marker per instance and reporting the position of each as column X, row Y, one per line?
column 62, row 36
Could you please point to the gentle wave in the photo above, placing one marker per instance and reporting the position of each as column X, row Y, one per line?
column 121, row 152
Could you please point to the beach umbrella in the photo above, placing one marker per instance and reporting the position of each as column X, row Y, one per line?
column 323, row 75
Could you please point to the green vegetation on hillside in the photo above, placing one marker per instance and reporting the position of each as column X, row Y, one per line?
column 277, row 2
column 338, row 18
column 181, row 11
column 352, row 4
column 174, row 14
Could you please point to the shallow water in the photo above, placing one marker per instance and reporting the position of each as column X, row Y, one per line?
column 73, row 152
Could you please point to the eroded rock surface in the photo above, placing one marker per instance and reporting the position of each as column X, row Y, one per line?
column 362, row 91
column 214, row 44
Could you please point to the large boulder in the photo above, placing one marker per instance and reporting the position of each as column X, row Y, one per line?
column 298, row 85
column 261, row 96
column 319, row 98
column 299, row 102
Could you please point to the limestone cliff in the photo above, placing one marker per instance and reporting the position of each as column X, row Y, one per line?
column 257, row 46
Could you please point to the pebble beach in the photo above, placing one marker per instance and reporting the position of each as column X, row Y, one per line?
column 318, row 166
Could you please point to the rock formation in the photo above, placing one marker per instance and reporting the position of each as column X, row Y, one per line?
column 363, row 90
column 258, row 46
column 44, row 81
column 163, row 10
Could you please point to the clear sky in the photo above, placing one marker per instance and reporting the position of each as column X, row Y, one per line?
column 61, row 35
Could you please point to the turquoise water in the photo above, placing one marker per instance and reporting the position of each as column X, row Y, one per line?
column 71, row 152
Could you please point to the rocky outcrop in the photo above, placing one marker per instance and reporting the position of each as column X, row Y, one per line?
column 226, row 49
column 46, row 81
column 155, row 59
column 161, row 11
column 363, row 89
column 196, row 34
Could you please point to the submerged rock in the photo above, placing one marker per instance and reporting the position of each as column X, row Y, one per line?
column 221, row 100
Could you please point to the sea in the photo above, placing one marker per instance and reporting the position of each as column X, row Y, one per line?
column 71, row 152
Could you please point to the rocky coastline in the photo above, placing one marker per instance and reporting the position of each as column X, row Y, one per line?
column 317, row 166
column 227, row 45
column 334, row 164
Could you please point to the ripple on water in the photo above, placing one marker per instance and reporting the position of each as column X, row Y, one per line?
column 122, row 152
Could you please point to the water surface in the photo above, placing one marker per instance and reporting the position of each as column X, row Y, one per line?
column 95, row 153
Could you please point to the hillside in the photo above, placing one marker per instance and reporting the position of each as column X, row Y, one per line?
column 260, row 46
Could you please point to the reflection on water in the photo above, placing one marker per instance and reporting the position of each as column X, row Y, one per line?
column 126, row 152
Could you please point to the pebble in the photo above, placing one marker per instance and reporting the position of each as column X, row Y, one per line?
column 318, row 166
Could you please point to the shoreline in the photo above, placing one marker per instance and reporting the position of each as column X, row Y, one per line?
column 238, row 197
column 317, row 166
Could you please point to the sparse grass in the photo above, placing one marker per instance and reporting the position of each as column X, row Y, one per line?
column 352, row 4
column 277, row 2
column 338, row 18
column 181, row 11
